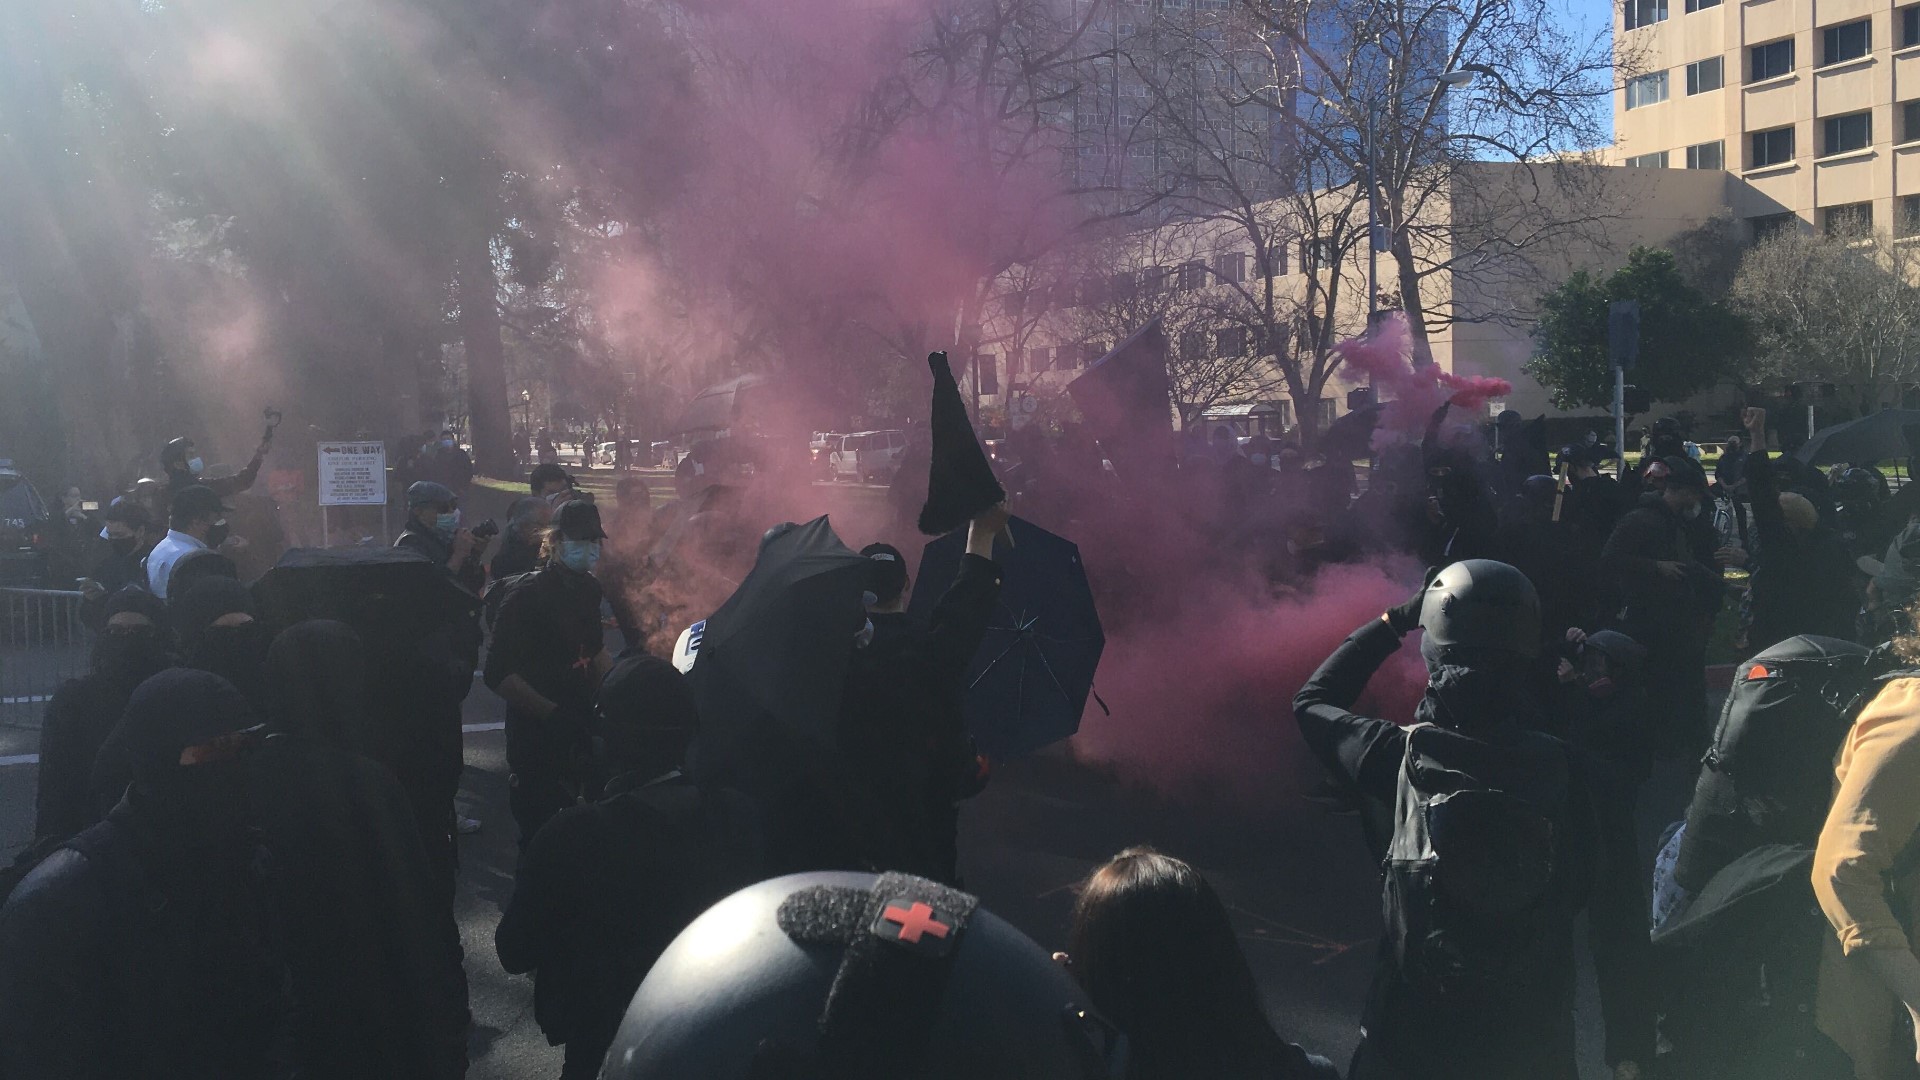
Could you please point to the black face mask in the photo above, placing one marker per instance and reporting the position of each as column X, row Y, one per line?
column 217, row 534
column 130, row 655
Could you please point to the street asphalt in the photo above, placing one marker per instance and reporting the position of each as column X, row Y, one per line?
column 1303, row 896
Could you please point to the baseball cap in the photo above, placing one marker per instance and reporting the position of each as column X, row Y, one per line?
column 1685, row 472
column 579, row 520
column 887, row 575
column 197, row 500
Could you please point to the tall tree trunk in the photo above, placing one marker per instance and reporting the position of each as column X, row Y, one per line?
column 1411, row 302
column 486, row 357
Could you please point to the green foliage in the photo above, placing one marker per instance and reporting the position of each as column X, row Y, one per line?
column 1687, row 342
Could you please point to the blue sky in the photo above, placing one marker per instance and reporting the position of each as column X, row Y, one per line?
column 1585, row 18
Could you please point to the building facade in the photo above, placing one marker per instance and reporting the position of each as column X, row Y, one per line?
column 1814, row 104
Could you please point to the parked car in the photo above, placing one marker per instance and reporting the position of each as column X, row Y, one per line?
column 26, row 531
column 869, row 456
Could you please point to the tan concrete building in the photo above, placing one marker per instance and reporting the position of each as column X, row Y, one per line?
column 1198, row 274
column 1815, row 104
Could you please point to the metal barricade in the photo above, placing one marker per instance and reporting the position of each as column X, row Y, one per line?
column 43, row 643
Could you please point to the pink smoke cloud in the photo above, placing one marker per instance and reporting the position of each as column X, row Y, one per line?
column 1412, row 393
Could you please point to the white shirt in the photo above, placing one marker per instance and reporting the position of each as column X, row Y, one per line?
column 163, row 557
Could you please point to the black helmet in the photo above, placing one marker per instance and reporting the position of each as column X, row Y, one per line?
column 1481, row 604
column 843, row 975
column 1539, row 488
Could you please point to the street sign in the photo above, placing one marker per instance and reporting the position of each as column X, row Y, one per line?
column 1623, row 333
column 1029, row 405
column 353, row 474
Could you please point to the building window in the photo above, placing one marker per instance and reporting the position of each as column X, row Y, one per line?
column 1853, row 131
column 1705, row 75
column 1701, row 5
column 1645, row 12
column 1325, row 410
column 1193, row 276
column 986, row 368
column 1848, row 41
column 1773, row 59
column 1647, row 90
column 1770, row 225
column 1193, row 345
column 1320, row 252
column 1016, row 363
column 1773, row 147
column 1275, row 264
column 1850, row 219
column 1648, row 161
column 1908, row 221
column 1230, row 342
column 1910, row 121
column 1707, row 155
column 1230, row 267
column 1910, row 26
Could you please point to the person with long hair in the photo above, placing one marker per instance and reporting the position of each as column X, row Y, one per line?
column 1152, row 945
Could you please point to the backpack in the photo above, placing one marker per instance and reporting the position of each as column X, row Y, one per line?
column 494, row 596
column 1478, row 881
column 1767, row 778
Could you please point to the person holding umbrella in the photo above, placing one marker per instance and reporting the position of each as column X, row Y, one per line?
column 903, row 727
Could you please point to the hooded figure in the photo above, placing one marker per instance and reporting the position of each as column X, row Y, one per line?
column 148, row 945
column 220, row 631
column 604, row 887
column 350, row 869
column 1493, row 846
column 135, row 643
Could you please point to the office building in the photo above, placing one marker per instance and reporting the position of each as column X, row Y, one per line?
column 1815, row 104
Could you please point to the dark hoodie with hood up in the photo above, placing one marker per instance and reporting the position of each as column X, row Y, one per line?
column 1475, row 737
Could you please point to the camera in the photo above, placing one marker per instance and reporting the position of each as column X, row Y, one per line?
column 486, row 530
column 273, row 417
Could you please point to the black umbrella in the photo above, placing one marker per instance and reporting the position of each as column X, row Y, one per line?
column 1028, row 684
column 1880, row 436
column 391, row 596
column 777, row 650
column 717, row 407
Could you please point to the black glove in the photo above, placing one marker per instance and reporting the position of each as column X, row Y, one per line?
column 1405, row 616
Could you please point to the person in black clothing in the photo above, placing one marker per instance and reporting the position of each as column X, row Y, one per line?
column 1152, row 946
column 519, row 551
column 372, row 946
column 423, row 701
column 546, row 659
column 903, row 733
column 1671, row 590
column 1803, row 577
column 549, row 479
column 219, row 631
column 1603, row 697
column 603, row 888
column 184, row 465
column 434, row 530
column 148, row 946
column 134, row 644
column 130, row 532
column 1475, row 975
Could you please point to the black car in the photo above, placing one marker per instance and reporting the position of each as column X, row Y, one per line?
column 26, row 531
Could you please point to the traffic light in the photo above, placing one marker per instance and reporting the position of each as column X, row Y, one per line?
column 1636, row 400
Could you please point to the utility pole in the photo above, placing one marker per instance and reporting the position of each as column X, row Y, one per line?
column 1623, row 348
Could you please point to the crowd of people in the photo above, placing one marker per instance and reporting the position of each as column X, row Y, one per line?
column 244, row 851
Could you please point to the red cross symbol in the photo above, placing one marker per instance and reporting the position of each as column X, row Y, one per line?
column 585, row 663
column 915, row 922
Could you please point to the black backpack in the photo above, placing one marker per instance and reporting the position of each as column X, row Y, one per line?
column 1767, row 778
column 494, row 596
column 1480, row 883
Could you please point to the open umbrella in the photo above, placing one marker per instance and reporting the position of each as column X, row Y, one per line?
column 776, row 652
column 390, row 596
column 1880, row 436
column 1028, row 684
column 717, row 407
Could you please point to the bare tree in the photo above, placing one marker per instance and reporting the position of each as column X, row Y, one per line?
column 1843, row 308
column 1380, row 88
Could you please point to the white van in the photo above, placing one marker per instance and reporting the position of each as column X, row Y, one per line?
column 870, row 456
